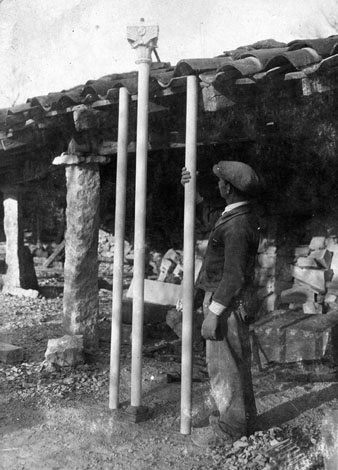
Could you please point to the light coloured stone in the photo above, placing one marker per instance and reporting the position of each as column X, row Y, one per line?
column 317, row 243
column 334, row 266
column 19, row 262
column 316, row 278
column 18, row 292
column 322, row 257
column 310, row 308
column 270, row 303
column 161, row 293
column 266, row 260
column 306, row 262
column 66, row 351
column 331, row 244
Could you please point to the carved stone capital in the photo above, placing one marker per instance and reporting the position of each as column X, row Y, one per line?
column 143, row 38
column 68, row 160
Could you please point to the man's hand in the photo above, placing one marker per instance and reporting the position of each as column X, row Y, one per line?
column 209, row 326
column 185, row 176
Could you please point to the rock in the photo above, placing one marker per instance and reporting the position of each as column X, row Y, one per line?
column 65, row 351
column 19, row 292
column 317, row 243
column 10, row 354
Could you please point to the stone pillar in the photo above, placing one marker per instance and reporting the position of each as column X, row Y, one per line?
column 80, row 300
column 20, row 273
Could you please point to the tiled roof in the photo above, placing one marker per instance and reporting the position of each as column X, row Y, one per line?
column 252, row 64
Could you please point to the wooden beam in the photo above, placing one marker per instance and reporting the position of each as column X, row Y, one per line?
column 58, row 250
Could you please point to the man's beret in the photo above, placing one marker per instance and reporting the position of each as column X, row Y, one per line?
column 239, row 174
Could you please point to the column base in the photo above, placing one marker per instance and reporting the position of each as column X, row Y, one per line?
column 136, row 414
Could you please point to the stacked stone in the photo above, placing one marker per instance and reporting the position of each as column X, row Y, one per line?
column 106, row 248
column 315, row 277
column 106, row 245
column 272, row 275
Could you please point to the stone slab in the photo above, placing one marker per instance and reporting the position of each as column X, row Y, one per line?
column 161, row 293
column 10, row 354
column 286, row 336
column 316, row 278
column 152, row 314
column 306, row 262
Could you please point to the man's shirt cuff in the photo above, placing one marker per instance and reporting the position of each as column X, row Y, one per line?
column 216, row 308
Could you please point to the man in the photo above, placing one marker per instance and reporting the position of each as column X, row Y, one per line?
column 227, row 278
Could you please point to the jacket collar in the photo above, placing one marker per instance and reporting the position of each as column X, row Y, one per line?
column 243, row 209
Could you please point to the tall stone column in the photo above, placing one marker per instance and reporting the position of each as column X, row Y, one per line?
column 80, row 300
column 20, row 272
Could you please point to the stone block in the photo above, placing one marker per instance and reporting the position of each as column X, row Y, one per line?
column 266, row 260
column 317, row 243
column 161, row 293
column 322, row 257
column 65, row 351
column 19, row 292
column 297, row 294
column 331, row 299
column 302, row 250
column 310, row 308
column 306, row 262
column 270, row 303
column 10, row 354
column 331, row 244
column 316, row 278
column 334, row 266
column 268, row 334
column 290, row 336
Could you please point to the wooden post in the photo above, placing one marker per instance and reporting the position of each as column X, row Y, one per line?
column 120, row 217
column 144, row 39
column 189, row 254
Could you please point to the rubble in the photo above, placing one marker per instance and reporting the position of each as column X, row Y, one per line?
column 65, row 351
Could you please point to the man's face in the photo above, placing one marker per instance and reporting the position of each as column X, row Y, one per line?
column 224, row 188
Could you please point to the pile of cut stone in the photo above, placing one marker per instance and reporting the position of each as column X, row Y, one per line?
column 106, row 246
column 315, row 275
column 302, row 277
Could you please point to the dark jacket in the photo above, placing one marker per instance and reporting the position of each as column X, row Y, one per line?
column 229, row 265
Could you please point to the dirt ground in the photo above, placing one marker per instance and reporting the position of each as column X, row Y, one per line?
column 60, row 419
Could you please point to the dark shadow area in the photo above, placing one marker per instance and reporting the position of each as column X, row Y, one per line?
column 23, row 415
column 292, row 409
column 50, row 292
